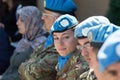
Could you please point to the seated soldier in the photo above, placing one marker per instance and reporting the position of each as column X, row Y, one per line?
column 70, row 62
column 101, row 28
column 97, row 35
column 109, row 57
column 41, row 65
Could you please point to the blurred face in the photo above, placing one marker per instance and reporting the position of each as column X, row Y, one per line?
column 94, row 63
column 84, row 46
column 93, row 58
column 49, row 17
column 113, row 71
column 64, row 42
column 21, row 25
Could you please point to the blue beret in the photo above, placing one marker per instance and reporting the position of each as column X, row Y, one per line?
column 61, row 6
column 110, row 51
column 82, row 29
column 63, row 23
column 101, row 32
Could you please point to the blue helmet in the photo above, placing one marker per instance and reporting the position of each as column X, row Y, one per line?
column 82, row 29
column 64, row 23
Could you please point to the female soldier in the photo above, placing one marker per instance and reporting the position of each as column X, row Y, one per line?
column 70, row 62
column 41, row 66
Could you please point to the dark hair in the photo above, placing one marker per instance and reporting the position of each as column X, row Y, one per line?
column 96, row 45
column 3, row 10
column 82, row 37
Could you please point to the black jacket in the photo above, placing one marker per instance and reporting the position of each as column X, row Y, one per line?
column 5, row 51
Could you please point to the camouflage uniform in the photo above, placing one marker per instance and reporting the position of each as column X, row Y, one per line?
column 41, row 66
column 88, row 75
column 73, row 68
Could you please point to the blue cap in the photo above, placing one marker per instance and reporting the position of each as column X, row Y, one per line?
column 63, row 23
column 82, row 29
column 101, row 32
column 61, row 6
column 110, row 51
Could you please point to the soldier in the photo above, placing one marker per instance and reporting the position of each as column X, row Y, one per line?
column 101, row 28
column 109, row 57
column 70, row 62
column 41, row 65
column 97, row 35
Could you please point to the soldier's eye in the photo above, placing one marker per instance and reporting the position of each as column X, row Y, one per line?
column 55, row 38
column 112, row 73
column 66, row 37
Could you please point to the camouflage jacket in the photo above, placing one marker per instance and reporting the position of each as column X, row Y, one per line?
column 75, row 66
column 88, row 75
column 41, row 65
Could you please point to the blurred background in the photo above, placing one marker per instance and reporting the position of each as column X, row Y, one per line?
column 86, row 8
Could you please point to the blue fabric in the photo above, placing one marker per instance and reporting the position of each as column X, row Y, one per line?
column 110, row 51
column 63, row 23
column 82, row 29
column 5, row 51
column 65, row 6
column 101, row 32
column 62, row 60
column 49, row 41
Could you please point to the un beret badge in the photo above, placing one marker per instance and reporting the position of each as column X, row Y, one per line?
column 64, row 23
column 90, row 36
column 85, row 31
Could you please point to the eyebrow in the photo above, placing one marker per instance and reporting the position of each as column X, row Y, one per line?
column 62, row 34
column 86, row 42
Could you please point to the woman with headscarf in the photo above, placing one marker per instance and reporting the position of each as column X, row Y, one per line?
column 30, row 25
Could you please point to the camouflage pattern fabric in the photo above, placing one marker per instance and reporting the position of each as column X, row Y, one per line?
column 75, row 66
column 88, row 75
column 41, row 66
